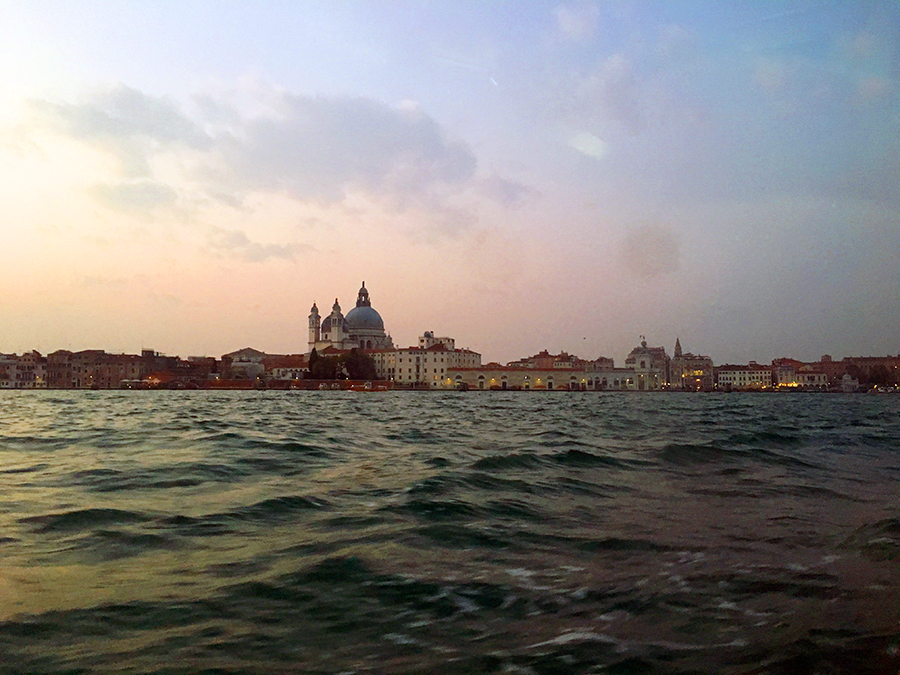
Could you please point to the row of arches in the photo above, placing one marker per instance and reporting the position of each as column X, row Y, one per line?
column 527, row 382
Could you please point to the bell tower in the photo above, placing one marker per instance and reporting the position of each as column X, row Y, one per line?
column 336, row 333
column 315, row 324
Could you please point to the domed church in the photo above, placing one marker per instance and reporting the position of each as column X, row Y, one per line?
column 362, row 328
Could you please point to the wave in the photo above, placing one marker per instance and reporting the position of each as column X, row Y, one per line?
column 343, row 614
column 452, row 533
column 81, row 519
column 686, row 454
column 107, row 544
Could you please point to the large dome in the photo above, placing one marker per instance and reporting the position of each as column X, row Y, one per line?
column 364, row 318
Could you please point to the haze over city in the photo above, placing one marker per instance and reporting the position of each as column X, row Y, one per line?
column 190, row 177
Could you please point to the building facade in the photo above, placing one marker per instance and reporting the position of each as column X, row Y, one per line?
column 751, row 377
column 690, row 372
column 362, row 328
column 427, row 365
column 651, row 365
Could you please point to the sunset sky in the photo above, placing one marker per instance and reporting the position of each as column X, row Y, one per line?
column 190, row 176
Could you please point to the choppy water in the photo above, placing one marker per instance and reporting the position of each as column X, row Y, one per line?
column 541, row 533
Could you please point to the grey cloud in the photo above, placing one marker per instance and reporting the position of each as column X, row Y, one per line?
column 215, row 111
column 321, row 147
column 238, row 245
column 140, row 196
column 311, row 148
column 506, row 192
column 129, row 124
column 123, row 112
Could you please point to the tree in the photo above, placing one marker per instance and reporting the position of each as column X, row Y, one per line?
column 324, row 368
column 359, row 366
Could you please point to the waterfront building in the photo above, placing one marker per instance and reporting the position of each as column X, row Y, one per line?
column 589, row 376
column 807, row 378
column 873, row 369
column 621, row 379
column 835, row 370
column 753, row 376
column 288, row 367
column 690, row 371
column 8, row 371
column 790, row 373
column 31, row 371
column 646, row 372
column 427, row 365
column 246, row 363
column 92, row 369
column 362, row 328
column 544, row 360
column 496, row 376
column 651, row 366
column 849, row 384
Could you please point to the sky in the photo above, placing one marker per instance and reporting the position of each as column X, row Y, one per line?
column 190, row 176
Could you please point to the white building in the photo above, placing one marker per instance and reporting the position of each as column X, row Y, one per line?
column 849, row 384
column 362, row 328
column 751, row 376
column 651, row 366
column 427, row 365
column 495, row 376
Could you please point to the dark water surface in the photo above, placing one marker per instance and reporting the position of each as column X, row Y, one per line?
column 504, row 532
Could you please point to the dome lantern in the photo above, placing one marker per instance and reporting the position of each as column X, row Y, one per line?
column 362, row 299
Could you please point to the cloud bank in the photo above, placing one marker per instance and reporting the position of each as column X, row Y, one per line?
column 312, row 148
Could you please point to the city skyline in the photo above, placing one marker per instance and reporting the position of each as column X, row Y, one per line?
column 563, row 176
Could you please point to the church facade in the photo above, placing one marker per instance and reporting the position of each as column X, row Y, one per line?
column 362, row 328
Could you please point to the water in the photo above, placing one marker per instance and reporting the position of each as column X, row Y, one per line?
column 506, row 532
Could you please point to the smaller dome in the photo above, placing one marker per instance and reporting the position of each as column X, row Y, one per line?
column 327, row 325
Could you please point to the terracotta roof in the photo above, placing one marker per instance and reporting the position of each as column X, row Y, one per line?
column 292, row 361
